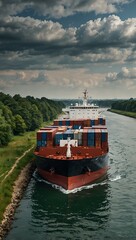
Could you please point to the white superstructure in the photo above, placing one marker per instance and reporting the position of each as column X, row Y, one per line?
column 83, row 111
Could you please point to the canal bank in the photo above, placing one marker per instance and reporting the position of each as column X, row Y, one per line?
column 124, row 113
column 18, row 190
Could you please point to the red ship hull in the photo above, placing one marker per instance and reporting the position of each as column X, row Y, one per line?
column 72, row 173
column 70, row 183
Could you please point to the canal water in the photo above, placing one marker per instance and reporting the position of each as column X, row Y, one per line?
column 101, row 211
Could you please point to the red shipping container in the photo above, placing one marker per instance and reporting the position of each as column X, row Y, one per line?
column 96, row 122
column 99, row 127
column 39, row 135
column 97, row 137
column 50, row 134
column 71, row 123
column 105, row 145
column 88, row 122
column 63, row 122
column 56, row 123
column 104, row 121
column 84, row 135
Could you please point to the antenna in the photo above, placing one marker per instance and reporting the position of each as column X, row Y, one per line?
column 85, row 97
column 85, row 94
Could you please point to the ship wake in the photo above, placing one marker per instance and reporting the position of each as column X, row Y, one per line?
column 111, row 178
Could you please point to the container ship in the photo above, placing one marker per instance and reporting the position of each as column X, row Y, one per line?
column 73, row 152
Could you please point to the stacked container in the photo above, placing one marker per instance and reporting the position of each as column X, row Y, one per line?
column 68, row 133
column 97, row 137
column 41, row 138
column 85, row 137
column 58, row 137
column 80, row 137
column 104, row 138
column 91, row 137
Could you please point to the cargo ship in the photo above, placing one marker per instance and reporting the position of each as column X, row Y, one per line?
column 73, row 152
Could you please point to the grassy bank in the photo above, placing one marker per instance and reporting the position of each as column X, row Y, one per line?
column 128, row 114
column 8, row 157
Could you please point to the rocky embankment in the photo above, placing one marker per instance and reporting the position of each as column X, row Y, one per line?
column 18, row 190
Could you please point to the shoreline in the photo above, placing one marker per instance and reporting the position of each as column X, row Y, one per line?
column 123, row 113
column 18, row 189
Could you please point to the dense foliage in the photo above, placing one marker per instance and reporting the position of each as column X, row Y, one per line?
column 18, row 114
column 125, row 105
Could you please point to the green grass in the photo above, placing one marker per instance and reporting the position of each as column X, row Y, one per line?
column 8, row 156
column 125, row 113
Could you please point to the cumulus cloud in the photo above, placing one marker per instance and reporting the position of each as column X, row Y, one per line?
column 61, row 8
column 125, row 77
column 28, row 43
column 110, row 31
column 13, row 78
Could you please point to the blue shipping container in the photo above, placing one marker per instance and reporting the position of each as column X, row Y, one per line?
column 92, row 122
column 76, row 126
column 67, row 123
column 60, row 122
column 39, row 143
column 101, row 121
column 44, row 136
column 58, row 137
column 43, row 143
column 104, row 135
column 67, row 134
column 90, row 137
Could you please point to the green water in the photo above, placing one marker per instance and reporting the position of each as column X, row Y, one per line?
column 103, row 211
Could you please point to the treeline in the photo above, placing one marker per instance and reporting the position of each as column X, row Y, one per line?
column 19, row 114
column 125, row 105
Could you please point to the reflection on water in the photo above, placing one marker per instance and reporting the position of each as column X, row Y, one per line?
column 87, row 209
column 48, row 213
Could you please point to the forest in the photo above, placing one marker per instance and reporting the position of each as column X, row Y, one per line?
column 125, row 105
column 20, row 114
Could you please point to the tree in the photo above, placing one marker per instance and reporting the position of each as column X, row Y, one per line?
column 37, row 118
column 20, row 126
column 5, row 132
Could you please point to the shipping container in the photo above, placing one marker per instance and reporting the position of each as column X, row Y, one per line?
column 60, row 123
column 68, row 133
column 100, row 120
column 58, row 137
column 91, row 137
column 97, row 137
column 104, row 121
column 99, row 127
column 67, row 122
column 104, row 135
column 92, row 122
column 39, row 135
column 76, row 135
column 85, row 137
column 39, row 143
column 96, row 122
column 44, row 136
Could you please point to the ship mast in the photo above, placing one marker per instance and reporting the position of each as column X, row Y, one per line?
column 85, row 97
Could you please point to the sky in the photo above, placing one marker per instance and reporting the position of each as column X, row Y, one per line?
column 58, row 48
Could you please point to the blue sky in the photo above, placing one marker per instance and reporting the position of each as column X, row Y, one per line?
column 59, row 48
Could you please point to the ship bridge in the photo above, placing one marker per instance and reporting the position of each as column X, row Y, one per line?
column 82, row 111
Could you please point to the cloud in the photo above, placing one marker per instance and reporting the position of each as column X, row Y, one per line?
column 61, row 8
column 28, row 43
column 106, row 32
column 13, row 78
column 39, row 78
column 125, row 77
